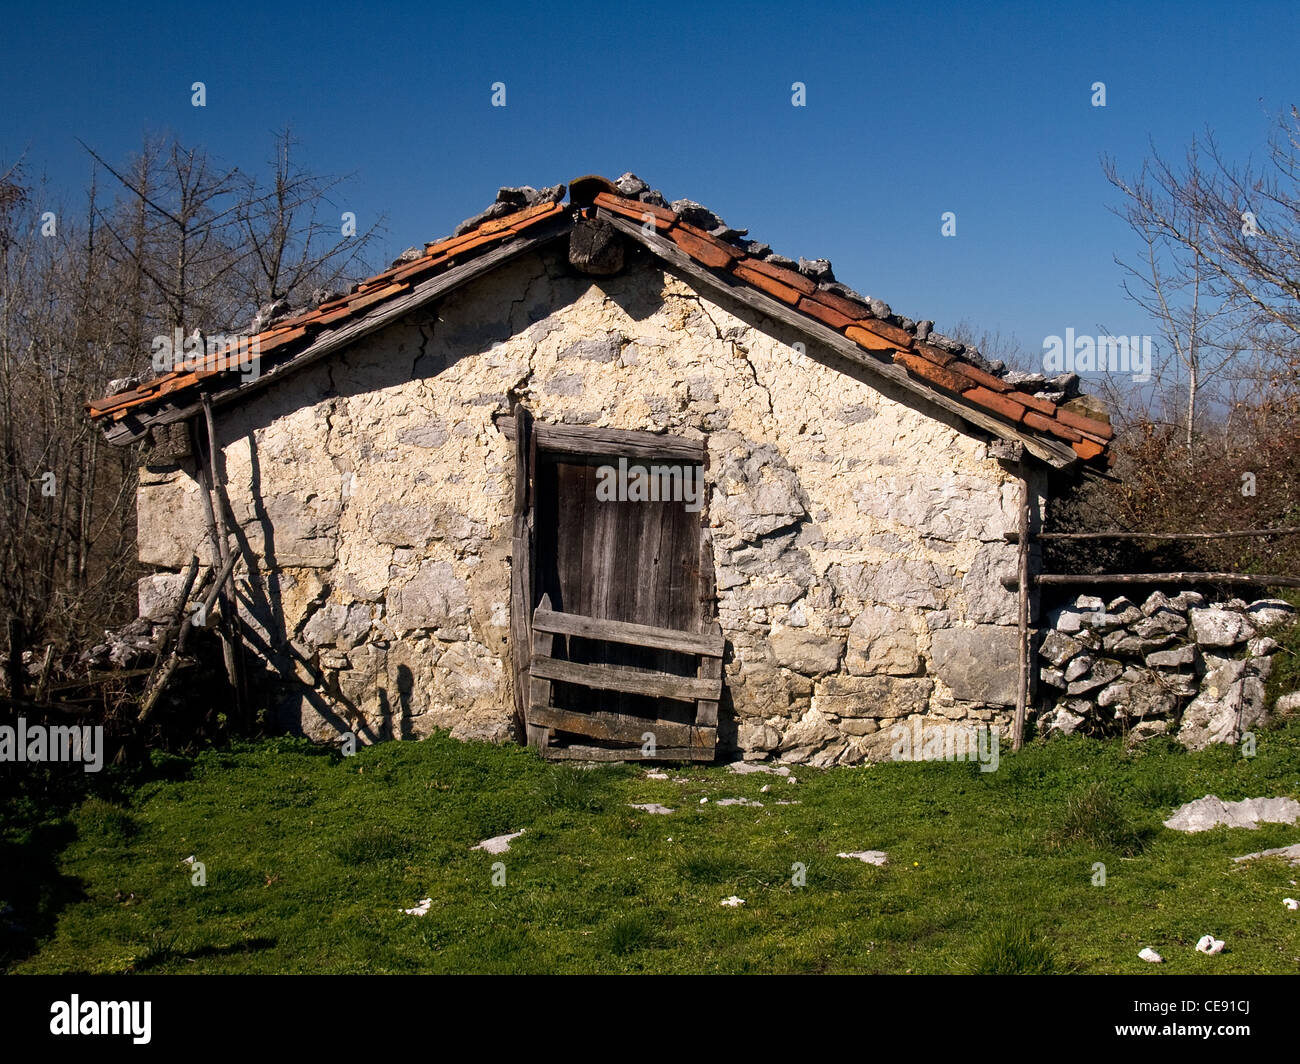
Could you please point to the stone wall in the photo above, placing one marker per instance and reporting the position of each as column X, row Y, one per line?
column 858, row 538
column 1174, row 665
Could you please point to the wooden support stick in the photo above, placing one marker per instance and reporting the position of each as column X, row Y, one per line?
column 1022, row 686
column 174, row 660
column 217, row 508
column 1263, row 580
column 1292, row 531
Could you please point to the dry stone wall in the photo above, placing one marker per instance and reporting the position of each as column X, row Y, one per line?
column 1176, row 665
column 858, row 539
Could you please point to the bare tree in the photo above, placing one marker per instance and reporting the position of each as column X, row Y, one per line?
column 185, row 244
column 1220, row 270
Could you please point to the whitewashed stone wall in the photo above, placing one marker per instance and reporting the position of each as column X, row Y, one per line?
column 858, row 538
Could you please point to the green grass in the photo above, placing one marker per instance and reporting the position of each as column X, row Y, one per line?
column 310, row 858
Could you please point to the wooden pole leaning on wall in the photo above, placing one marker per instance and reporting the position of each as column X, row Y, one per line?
column 217, row 507
column 1022, row 644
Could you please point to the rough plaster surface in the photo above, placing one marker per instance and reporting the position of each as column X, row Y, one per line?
column 857, row 536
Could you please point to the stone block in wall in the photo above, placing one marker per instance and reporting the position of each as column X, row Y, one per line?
column 979, row 664
column 304, row 529
column 872, row 696
column 804, row 651
column 170, row 522
column 759, row 690
column 897, row 582
column 881, row 640
column 987, row 600
column 955, row 508
column 433, row 598
column 338, row 625
column 1216, row 627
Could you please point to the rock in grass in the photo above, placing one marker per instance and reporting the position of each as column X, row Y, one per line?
column 875, row 857
column 1209, row 944
column 733, row 902
column 1291, row 853
column 1210, row 811
column 498, row 843
column 651, row 807
column 1150, row 956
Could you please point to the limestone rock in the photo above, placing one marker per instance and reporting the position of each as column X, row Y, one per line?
column 1059, row 721
column 871, row 696
column 978, row 664
column 1217, row 627
column 1265, row 612
column 1211, row 811
column 1184, row 655
column 807, row 652
column 158, row 596
column 881, row 640
column 987, row 600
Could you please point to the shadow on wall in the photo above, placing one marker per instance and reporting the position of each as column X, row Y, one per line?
column 263, row 602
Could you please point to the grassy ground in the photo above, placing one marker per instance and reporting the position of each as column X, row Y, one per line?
column 310, row 858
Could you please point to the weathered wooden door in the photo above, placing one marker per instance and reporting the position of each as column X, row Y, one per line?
column 626, row 653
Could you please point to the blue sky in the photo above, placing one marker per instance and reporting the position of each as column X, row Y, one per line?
column 912, row 110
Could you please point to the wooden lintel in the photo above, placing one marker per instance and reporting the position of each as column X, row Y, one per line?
column 601, row 443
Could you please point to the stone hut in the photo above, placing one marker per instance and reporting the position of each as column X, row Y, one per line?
column 606, row 476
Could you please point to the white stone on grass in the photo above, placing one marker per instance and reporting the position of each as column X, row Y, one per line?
column 875, row 857
column 733, row 902
column 1209, row 944
column 738, row 801
column 656, row 775
column 421, row 907
column 1210, row 811
column 1291, row 852
column 1150, row 956
column 1291, row 903
column 744, row 768
column 651, row 807
column 499, row 843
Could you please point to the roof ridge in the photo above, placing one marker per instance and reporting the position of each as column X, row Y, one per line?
column 1031, row 401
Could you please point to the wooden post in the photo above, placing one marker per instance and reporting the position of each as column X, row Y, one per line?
column 539, row 690
column 521, row 574
column 1022, row 687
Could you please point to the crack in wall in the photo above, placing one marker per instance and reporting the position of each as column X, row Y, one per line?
column 736, row 348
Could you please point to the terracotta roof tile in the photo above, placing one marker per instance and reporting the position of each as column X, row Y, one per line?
column 1085, row 424
column 870, row 340
column 636, row 210
column 766, row 284
column 928, row 371
column 987, row 380
column 997, row 402
column 700, row 246
column 937, row 355
column 1038, row 421
column 823, row 313
column 900, row 338
column 1087, row 449
column 780, row 274
column 848, row 307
